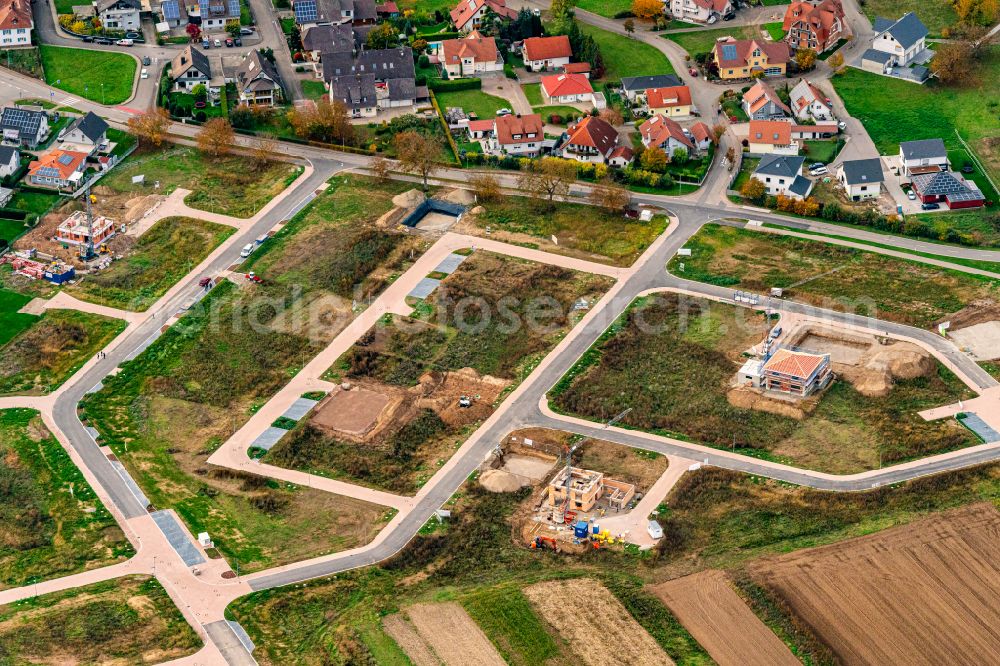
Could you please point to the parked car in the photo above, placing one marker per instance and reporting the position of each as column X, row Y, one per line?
column 146, row 62
column 144, row 74
column 88, row 38
column 229, row 43
column 218, row 43
column 205, row 44
column 103, row 41
column 729, row 17
column 238, row 41
column 246, row 31
column 911, row 195
column 816, row 165
column 930, row 206
column 504, row 112
column 693, row 71
column 125, row 42
column 842, row 125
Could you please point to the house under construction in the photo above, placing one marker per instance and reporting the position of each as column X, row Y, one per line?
column 584, row 488
column 75, row 229
column 795, row 372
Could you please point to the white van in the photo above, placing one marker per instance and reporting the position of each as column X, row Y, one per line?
column 247, row 250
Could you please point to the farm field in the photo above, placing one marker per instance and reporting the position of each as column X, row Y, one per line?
column 444, row 631
column 713, row 612
column 47, row 531
column 202, row 379
column 222, row 185
column 626, row 57
column 485, row 106
column 871, row 284
column 126, row 620
column 583, row 231
column 677, row 381
column 933, row 602
column 404, row 421
column 50, row 348
column 702, row 41
column 163, row 255
column 596, row 613
column 104, row 77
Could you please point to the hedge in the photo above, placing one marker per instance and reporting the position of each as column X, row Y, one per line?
column 13, row 214
column 453, row 85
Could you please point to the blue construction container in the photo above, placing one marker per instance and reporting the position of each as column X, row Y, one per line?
column 580, row 530
column 595, row 529
column 60, row 275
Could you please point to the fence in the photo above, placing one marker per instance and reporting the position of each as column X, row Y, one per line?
column 112, row 162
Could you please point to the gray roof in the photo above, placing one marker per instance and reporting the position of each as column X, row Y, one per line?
column 130, row 4
column 364, row 10
column 780, row 165
column 908, row 30
column 8, row 153
column 91, row 125
column 644, row 82
column 257, row 73
column 401, row 89
column 800, row 186
column 27, row 122
column 355, row 91
column 190, row 57
column 946, row 184
column 385, row 64
column 882, row 24
column 859, row 172
column 875, row 55
column 923, row 149
column 329, row 39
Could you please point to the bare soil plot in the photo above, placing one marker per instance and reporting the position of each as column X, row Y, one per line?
column 415, row 647
column 708, row 607
column 921, row 593
column 353, row 412
column 453, row 636
column 593, row 622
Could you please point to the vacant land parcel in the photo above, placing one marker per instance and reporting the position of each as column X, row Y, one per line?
column 830, row 276
column 164, row 254
column 51, row 522
column 404, row 418
column 200, row 381
column 679, row 380
column 933, row 601
column 123, row 621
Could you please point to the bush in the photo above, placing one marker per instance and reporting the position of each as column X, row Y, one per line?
column 201, row 116
column 452, row 85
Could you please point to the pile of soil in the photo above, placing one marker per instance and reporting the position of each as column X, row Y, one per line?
column 500, row 481
column 879, row 368
column 458, row 196
column 409, row 199
column 978, row 311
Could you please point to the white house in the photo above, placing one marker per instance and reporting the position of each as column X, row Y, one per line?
column 10, row 160
column 808, row 101
column 119, row 14
column 189, row 68
column 782, row 174
column 24, row 127
column 768, row 137
column 470, row 55
column 16, row 23
column 861, row 179
column 762, row 103
column 542, row 53
column 567, row 89
column 904, row 41
column 924, row 156
column 700, row 11
column 86, row 133
column 514, row 135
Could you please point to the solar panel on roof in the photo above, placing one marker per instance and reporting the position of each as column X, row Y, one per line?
column 48, row 172
column 729, row 52
column 305, row 11
column 170, row 9
column 234, row 7
column 66, row 159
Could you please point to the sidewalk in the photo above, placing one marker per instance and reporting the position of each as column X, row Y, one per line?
column 632, row 526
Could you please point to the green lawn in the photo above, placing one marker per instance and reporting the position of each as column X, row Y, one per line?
column 225, row 185
column 821, row 151
column 935, row 14
column 564, row 111
column 606, row 8
column 164, row 254
column 104, row 77
column 903, row 111
column 11, row 229
column 533, row 91
column 51, row 522
column 627, row 57
column 11, row 321
column 473, row 101
column 314, row 89
column 429, row 6
column 702, row 41
column 775, row 30
column 37, row 203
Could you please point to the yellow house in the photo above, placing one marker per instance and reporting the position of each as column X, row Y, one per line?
column 745, row 58
column 672, row 102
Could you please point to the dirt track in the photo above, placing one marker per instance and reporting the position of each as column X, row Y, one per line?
column 712, row 611
column 591, row 619
column 923, row 593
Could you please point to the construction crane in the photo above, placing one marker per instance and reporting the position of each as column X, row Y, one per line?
column 87, row 249
column 568, row 452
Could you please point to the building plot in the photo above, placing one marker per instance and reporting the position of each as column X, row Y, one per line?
column 920, row 593
column 441, row 633
column 708, row 607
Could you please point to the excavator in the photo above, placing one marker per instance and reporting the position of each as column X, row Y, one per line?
column 545, row 542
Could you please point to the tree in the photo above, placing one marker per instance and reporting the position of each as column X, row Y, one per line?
column 486, row 187
column 754, row 190
column 612, row 116
column 150, row 127
column 216, row 137
column 380, row 169
column 233, row 27
column 647, row 10
column 654, row 159
column 262, row 147
column 382, row 36
column 718, row 131
column 323, row 121
column 416, row 153
column 629, row 26
column 680, row 156
column 836, row 61
column 805, row 59
column 610, row 196
column 547, row 178
column 295, row 38
column 193, row 31
column 731, row 155
column 199, row 92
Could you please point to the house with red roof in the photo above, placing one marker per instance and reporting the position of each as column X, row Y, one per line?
column 700, row 11
column 667, row 135
column 808, row 101
column 590, row 140
column 387, row 9
column 949, row 188
column 673, row 102
column 468, row 14
column 701, row 135
column 514, row 134
column 567, row 89
column 762, row 103
column 797, row 373
column 58, row 169
column 768, row 137
column 470, row 55
column 744, row 58
column 545, row 53
column 816, row 26
column 16, row 23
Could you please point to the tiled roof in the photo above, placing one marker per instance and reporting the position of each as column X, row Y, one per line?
column 646, row 82
column 908, row 30
column 922, row 149
column 15, row 14
column 91, row 126
column 506, row 127
column 593, row 132
column 785, row 166
column 474, row 45
column 57, row 163
column 819, row 19
column 466, row 9
column 701, row 132
column 566, row 84
column 793, row 363
column 774, row 132
column 736, row 52
column 658, row 98
column 760, row 94
column 657, row 130
column 546, row 48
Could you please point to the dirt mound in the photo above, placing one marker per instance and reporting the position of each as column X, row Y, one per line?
column 978, row 311
column 499, row 481
column 136, row 207
column 745, row 398
column 441, row 391
column 463, row 197
column 409, row 199
column 881, row 367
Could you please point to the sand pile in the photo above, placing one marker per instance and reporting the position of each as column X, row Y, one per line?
column 499, row 481
column 879, row 370
column 458, row 196
column 408, row 199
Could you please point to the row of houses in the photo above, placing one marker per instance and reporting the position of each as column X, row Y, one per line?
column 255, row 77
column 806, row 103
